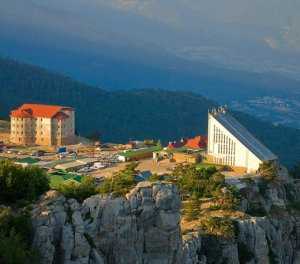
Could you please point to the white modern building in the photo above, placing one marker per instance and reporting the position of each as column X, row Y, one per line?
column 230, row 143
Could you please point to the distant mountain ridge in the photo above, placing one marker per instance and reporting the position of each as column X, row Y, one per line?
column 135, row 114
column 104, row 46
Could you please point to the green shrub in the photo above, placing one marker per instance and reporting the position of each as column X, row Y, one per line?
column 198, row 183
column 16, row 238
column 121, row 182
column 191, row 209
column 268, row 170
column 230, row 200
column 18, row 183
column 79, row 191
column 218, row 226
column 20, row 223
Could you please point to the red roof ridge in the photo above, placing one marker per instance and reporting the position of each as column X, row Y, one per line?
column 38, row 110
column 199, row 141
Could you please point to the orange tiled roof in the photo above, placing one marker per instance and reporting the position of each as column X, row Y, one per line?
column 37, row 110
column 197, row 142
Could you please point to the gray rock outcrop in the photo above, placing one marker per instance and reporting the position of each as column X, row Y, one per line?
column 144, row 228
column 270, row 237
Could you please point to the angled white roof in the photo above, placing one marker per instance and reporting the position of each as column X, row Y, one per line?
column 244, row 136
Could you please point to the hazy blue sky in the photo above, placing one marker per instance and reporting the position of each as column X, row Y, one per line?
column 279, row 18
column 282, row 16
column 238, row 33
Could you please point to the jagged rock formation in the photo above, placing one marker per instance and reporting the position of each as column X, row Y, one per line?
column 271, row 237
column 144, row 227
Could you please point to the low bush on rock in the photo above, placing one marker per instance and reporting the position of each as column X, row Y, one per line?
column 268, row 171
column 79, row 191
column 196, row 184
column 121, row 182
column 191, row 209
column 217, row 226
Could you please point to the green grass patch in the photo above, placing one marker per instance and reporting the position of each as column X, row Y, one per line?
column 56, row 179
column 135, row 153
column 200, row 166
column 28, row 160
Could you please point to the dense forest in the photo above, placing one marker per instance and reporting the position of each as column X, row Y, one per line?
column 136, row 114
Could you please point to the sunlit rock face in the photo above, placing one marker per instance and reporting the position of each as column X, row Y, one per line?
column 144, row 227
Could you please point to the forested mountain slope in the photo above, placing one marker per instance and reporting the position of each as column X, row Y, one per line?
column 135, row 114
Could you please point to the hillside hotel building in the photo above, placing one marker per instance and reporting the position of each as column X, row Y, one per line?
column 230, row 143
column 47, row 125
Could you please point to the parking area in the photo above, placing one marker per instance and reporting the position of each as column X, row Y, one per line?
column 160, row 168
column 77, row 161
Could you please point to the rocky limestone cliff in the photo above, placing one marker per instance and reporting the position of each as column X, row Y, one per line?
column 269, row 232
column 144, row 227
